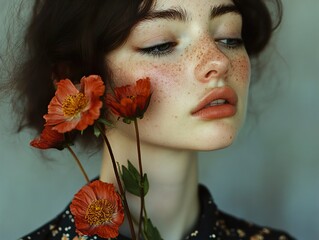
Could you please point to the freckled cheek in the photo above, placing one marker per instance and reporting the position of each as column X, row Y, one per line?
column 242, row 71
column 163, row 73
column 166, row 78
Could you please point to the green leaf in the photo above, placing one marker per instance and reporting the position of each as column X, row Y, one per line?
column 131, row 183
column 150, row 232
column 145, row 184
column 133, row 170
column 105, row 122
column 127, row 120
column 132, row 180
column 97, row 132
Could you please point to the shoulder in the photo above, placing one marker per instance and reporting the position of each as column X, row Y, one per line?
column 61, row 227
column 242, row 229
column 217, row 224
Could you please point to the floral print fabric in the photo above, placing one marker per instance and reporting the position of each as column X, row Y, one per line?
column 212, row 224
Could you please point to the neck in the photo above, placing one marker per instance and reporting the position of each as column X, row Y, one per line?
column 172, row 201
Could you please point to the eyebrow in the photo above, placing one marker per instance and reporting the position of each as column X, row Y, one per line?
column 223, row 9
column 169, row 14
column 180, row 14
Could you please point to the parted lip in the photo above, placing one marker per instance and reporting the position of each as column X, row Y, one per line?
column 226, row 93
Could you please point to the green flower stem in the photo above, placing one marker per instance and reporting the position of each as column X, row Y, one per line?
column 79, row 163
column 145, row 216
column 145, row 220
column 141, row 177
column 129, row 217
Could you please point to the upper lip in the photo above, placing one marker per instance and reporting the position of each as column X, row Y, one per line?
column 226, row 93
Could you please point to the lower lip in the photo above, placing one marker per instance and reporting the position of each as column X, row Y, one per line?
column 216, row 112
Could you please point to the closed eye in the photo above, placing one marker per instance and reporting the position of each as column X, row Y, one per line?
column 159, row 49
column 230, row 43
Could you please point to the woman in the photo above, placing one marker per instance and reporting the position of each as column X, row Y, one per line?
column 197, row 56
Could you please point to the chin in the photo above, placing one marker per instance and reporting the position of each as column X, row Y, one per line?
column 221, row 144
column 219, row 138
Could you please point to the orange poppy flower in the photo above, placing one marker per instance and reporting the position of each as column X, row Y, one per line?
column 49, row 139
column 130, row 102
column 97, row 210
column 72, row 108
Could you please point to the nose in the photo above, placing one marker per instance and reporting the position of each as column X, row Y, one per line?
column 212, row 63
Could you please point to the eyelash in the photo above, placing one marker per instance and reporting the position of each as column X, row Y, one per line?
column 231, row 43
column 166, row 48
column 159, row 49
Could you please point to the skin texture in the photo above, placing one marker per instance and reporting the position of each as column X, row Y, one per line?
column 180, row 78
column 201, row 55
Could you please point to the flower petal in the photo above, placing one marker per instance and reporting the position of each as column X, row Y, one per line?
column 88, row 117
column 93, row 86
column 107, row 232
column 89, row 201
column 65, row 88
column 66, row 126
column 130, row 102
column 49, row 138
column 71, row 109
column 143, row 87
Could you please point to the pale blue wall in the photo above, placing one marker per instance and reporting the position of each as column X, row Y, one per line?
column 270, row 175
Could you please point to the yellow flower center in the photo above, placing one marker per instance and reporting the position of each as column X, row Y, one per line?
column 74, row 104
column 99, row 212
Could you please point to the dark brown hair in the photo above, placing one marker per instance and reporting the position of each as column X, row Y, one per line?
column 70, row 38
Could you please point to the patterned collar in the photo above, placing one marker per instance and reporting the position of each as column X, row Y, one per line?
column 211, row 224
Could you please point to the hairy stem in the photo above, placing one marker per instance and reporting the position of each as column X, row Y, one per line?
column 118, row 179
column 79, row 163
column 141, row 177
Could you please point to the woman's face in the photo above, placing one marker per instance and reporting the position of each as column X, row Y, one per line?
column 199, row 69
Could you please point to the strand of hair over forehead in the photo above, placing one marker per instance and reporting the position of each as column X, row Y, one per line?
column 145, row 6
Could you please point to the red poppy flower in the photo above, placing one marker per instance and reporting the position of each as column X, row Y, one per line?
column 49, row 139
column 73, row 108
column 97, row 210
column 130, row 102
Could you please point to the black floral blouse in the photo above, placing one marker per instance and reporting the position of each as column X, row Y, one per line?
column 212, row 224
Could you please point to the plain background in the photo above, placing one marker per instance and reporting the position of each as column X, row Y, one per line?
column 270, row 175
